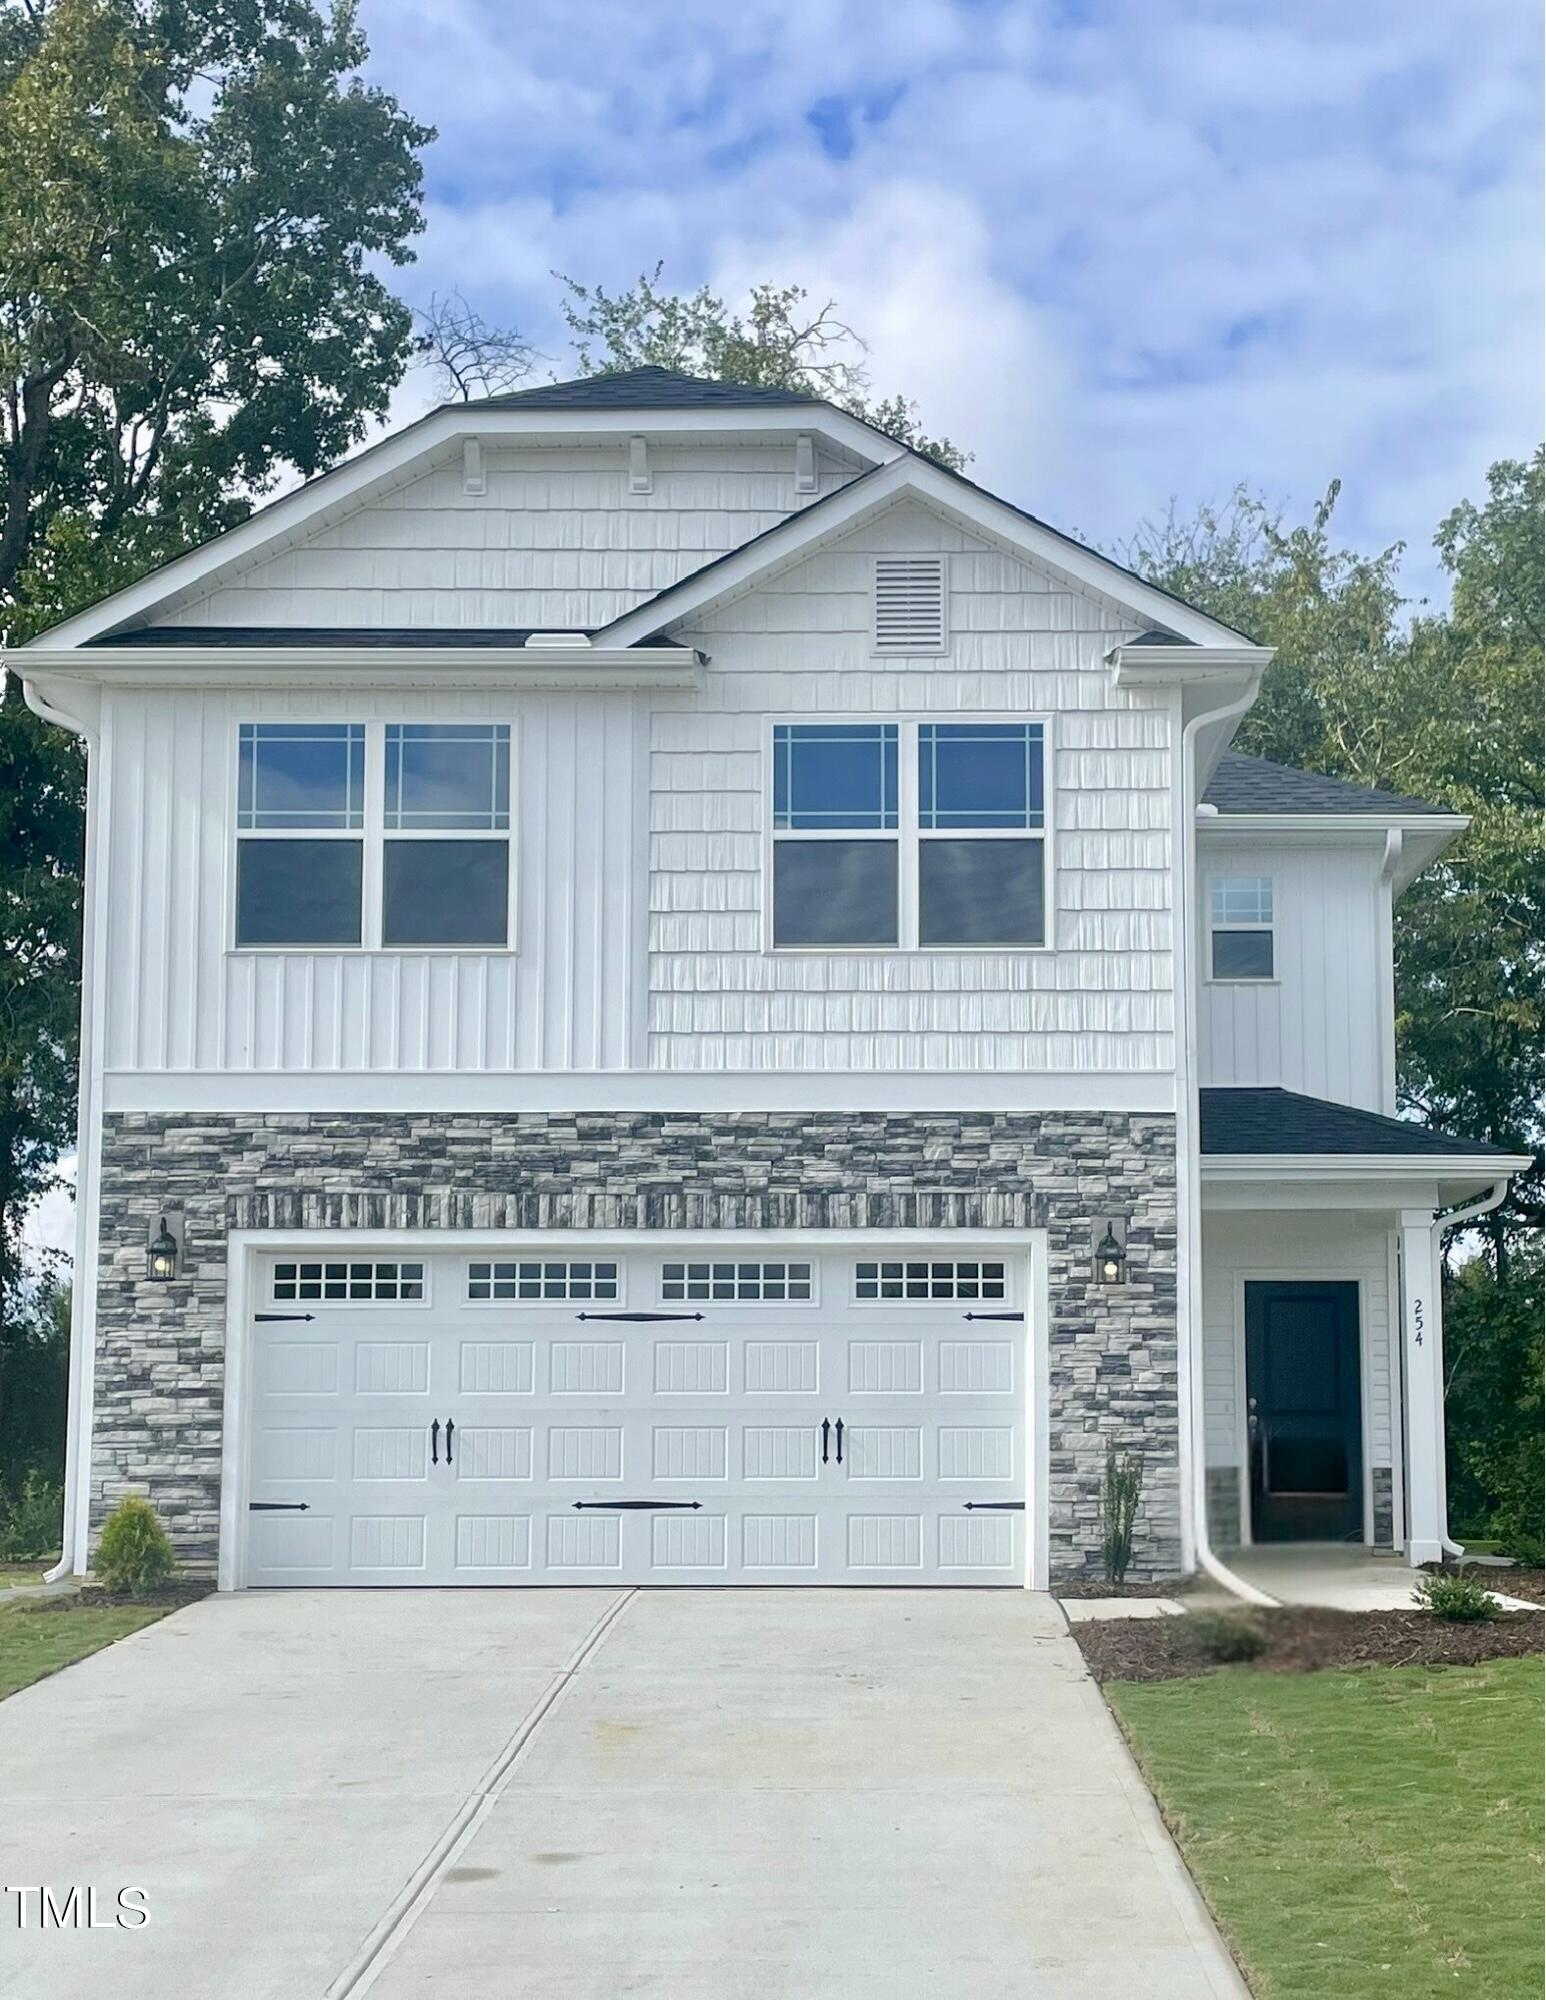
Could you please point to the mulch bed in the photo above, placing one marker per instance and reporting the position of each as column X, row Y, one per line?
column 1300, row 1640
column 170, row 1595
column 1530, row 1584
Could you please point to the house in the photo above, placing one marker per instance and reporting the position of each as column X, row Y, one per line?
column 675, row 993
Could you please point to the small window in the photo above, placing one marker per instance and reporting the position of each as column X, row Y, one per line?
column 379, row 1283
column 929, row 1279
column 445, row 779
column 541, row 1279
column 767, row 1283
column 835, row 852
column 300, row 807
column 1241, row 914
column 909, row 604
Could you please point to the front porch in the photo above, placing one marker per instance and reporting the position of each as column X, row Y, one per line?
column 1322, row 1341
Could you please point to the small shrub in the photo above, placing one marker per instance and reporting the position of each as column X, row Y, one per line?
column 30, row 1524
column 134, row 1554
column 1118, row 1511
column 1452, row 1594
column 1225, row 1637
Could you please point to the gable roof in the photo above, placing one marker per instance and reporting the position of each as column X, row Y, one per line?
column 1242, row 784
column 912, row 475
column 645, row 389
column 1255, row 1120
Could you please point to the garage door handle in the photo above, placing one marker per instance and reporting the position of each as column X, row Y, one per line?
column 826, row 1438
column 450, row 1428
column 840, row 1440
column 434, row 1442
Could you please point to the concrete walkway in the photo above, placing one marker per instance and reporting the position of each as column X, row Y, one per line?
column 798, row 1795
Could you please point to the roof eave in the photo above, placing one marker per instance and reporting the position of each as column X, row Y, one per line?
column 590, row 667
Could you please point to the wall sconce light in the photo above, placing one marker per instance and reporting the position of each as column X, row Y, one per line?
column 163, row 1253
column 1110, row 1253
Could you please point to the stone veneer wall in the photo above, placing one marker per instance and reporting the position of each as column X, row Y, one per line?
column 160, row 1364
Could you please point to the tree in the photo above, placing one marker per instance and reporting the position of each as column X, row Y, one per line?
column 1445, row 707
column 777, row 342
column 469, row 355
column 193, row 197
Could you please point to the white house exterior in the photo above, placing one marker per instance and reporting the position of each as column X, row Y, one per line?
column 701, row 1000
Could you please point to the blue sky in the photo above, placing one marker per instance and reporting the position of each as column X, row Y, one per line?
column 1124, row 250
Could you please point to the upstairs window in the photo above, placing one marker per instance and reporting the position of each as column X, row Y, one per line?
column 908, row 835
column 909, row 604
column 445, row 877
column 1241, row 914
column 300, row 816
column 353, row 834
column 981, row 825
column 835, row 833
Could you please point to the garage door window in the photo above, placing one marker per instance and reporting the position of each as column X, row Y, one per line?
column 929, row 1280
column 375, row 1283
column 745, row 1283
column 541, row 1279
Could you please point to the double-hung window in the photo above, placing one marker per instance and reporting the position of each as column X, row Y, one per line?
column 1240, row 907
column 445, row 875
column 394, row 835
column 300, row 817
column 909, row 834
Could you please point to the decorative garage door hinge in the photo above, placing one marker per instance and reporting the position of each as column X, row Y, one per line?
column 273, row 1316
column 635, row 1506
column 995, row 1506
column 993, row 1315
column 278, row 1507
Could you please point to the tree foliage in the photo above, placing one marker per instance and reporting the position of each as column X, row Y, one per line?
column 779, row 340
column 194, row 198
column 1444, row 706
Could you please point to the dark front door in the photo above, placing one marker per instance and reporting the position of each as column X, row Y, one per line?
column 1301, row 1373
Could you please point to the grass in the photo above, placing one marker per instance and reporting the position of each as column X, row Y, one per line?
column 12, row 1574
column 35, row 1643
column 1376, row 1832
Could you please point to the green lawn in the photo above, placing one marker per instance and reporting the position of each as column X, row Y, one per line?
column 1376, row 1832
column 12, row 1574
column 35, row 1643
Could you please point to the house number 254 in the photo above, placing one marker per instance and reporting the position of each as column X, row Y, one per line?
column 1417, row 1321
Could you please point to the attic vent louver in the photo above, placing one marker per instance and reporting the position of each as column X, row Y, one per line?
column 909, row 604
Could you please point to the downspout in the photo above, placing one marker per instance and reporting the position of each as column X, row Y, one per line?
column 1450, row 1219
column 77, row 1454
column 1189, row 1162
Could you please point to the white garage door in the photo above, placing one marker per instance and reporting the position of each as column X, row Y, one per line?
column 664, row 1416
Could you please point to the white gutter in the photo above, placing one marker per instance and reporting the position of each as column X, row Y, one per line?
column 74, row 1542
column 1451, row 1219
column 1189, row 1163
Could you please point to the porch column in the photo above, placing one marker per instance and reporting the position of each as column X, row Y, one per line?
column 1424, row 1390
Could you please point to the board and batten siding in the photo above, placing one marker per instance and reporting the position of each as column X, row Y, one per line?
column 1318, row 1025
column 1021, row 642
column 1303, row 1244
column 639, row 828
column 557, row 542
column 179, row 998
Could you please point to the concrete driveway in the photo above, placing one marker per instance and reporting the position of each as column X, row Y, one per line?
column 697, row 1795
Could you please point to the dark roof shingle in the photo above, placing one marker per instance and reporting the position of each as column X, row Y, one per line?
column 643, row 389
column 1251, row 785
column 1268, row 1120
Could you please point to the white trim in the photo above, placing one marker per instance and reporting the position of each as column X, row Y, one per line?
column 453, row 1091
column 245, row 1246
column 407, row 453
column 1340, row 824
column 1282, row 1167
column 1396, row 1362
column 671, row 668
column 919, row 478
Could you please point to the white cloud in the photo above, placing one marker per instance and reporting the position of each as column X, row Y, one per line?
column 1121, row 251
